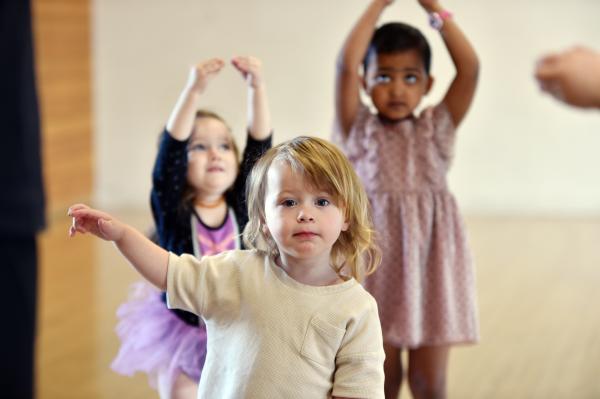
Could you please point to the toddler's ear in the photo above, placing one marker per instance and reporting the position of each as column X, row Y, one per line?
column 345, row 226
column 363, row 81
column 265, row 230
column 430, row 81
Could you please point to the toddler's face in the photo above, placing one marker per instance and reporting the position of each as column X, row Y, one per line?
column 396, row 82
column 304, row 221
column 212, row 163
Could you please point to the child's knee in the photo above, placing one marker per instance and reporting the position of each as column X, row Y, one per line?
column 426, row 385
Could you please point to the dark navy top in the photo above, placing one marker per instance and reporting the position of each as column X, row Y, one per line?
column 171, row 216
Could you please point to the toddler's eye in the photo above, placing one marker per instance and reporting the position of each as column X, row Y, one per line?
column 196, row 147
column 288, row 203
column 410, row 79
column 322, row 202
column 382, row 79
column 225, row 146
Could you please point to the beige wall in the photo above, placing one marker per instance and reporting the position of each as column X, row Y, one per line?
column 518, row 151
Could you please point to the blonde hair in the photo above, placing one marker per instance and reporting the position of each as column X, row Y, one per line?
column 325, row 167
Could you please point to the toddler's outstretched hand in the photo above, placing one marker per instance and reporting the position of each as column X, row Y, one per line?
column 250, row 68
column 203, row 72
column 88, row 220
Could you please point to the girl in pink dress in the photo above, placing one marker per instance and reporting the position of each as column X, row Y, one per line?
column 425, row 287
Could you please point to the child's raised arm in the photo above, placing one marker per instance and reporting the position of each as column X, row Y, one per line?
column 259, row 116
column 460, row 94
column 181, row 120
column 149, row 259
column 347, row 80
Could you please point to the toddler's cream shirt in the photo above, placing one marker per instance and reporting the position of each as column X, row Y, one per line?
column 270, row 336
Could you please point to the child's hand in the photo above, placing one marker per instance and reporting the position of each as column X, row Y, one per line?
column 250, row 68
column 88, row 220
column 202, row 73
column 572, row 76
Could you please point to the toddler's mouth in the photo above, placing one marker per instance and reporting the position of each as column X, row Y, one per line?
column 396, row 104
column 305, row 234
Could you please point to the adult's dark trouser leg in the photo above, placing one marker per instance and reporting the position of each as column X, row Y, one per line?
column 18, row 299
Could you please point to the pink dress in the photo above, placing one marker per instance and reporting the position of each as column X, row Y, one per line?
column 425, row 286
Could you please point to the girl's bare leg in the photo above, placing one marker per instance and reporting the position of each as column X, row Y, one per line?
column 427, row 369
column 393, row 371
column 183, row 388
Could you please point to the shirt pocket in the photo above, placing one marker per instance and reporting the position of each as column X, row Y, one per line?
column 321, row 342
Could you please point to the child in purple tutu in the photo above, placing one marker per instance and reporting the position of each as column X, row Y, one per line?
column 425, row 287
column 287, row 318
column 198, row 204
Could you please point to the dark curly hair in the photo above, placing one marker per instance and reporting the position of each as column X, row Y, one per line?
column 396, row 37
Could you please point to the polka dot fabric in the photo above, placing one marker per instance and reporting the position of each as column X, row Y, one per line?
column 425, row 286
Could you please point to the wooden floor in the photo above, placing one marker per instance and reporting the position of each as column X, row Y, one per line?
column 539, row 298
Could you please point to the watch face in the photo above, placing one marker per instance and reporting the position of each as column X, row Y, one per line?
column 436, row 21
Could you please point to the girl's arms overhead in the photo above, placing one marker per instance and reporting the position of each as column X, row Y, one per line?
column 460, row 94
column 259, row 117
column 348, row 80
column 181, row 120
column 147, row 258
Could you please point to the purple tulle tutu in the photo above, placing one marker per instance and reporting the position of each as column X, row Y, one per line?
column 155, row 341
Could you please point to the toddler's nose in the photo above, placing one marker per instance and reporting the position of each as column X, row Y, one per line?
column 398, row 89
column 303, row 216
column 214, row 153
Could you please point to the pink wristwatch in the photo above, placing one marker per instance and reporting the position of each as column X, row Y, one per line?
column 436, row 19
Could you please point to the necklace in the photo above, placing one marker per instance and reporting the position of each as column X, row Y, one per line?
column 210, row 205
